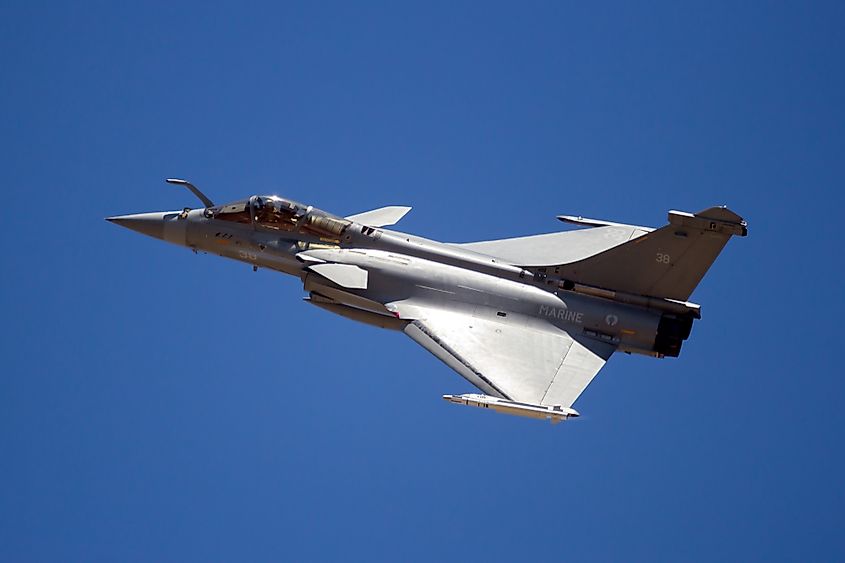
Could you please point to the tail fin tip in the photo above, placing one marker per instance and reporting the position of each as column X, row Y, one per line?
column 719, row 219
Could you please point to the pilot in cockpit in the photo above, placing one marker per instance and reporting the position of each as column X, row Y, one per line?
column 277, row 213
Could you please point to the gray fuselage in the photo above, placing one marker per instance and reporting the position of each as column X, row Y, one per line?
column 406, row 268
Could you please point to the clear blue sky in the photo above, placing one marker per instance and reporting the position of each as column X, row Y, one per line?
column 161, row 406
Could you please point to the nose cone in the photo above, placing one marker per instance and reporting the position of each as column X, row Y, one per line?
column 150, row 224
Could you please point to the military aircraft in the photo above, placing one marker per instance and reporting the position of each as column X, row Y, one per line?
column 529, row 321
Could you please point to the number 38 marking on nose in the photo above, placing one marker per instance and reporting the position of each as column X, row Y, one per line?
column 663, row 258
column 244, row 255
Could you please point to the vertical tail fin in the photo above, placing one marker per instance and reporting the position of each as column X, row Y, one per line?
column 668, row 262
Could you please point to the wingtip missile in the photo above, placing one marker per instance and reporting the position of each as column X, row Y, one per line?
column 555, row 413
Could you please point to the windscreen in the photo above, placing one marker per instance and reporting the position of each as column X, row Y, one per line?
column 237, row 212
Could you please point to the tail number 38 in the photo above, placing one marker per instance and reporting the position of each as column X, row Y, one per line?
column 663, row 258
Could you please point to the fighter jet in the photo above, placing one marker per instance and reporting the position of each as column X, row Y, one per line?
column 529, row 321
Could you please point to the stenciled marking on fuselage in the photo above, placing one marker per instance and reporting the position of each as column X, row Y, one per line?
column 562, row 314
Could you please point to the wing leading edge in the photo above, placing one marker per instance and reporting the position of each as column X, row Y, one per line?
column 542, row 366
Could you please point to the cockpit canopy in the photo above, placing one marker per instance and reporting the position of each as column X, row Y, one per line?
column 273, row 213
